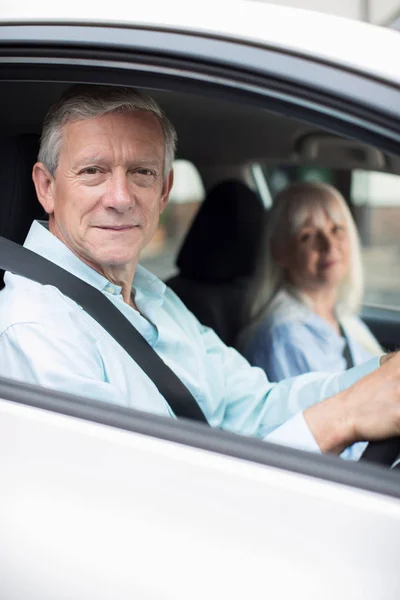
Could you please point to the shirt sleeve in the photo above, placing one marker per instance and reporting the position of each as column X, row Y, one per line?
column 296, row 429
column 28, row 353
column 272, row 411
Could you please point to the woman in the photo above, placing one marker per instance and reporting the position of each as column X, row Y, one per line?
column 312, row 288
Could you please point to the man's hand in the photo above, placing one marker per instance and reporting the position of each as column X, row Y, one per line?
column 369, row 410
column 385, row 357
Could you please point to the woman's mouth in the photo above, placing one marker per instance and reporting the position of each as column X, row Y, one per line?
column 326, row 264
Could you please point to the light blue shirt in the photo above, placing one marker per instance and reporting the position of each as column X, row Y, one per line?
column 292, row 340
column 47, row 339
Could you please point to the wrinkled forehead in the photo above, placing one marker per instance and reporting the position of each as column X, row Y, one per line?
column 137, row 132
column 315, row 213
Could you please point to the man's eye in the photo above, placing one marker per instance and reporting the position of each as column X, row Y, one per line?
column 90, row 170
column 147, row 172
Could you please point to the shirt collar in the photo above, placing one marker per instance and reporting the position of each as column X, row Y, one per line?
column 43, row 242
column 301, row 309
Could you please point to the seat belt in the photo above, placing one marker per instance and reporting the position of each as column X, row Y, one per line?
column 24, row 262
column 347, row 355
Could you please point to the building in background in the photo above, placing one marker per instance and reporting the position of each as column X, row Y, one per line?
column 379, row 12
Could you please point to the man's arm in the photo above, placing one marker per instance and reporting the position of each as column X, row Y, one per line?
column 368, row 410
column 315, row 411
column 246, row 402
column 32, row 353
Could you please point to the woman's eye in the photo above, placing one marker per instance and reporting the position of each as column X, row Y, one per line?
column 337, row 229
column 305, row 237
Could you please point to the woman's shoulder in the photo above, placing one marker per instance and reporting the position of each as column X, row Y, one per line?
column 286, row 310
column 287, row 321
column 357, row 331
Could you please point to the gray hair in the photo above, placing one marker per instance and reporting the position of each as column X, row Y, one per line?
column 290, row 210
column 87, row 102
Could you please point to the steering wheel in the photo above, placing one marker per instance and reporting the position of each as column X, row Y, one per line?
column 384, row 452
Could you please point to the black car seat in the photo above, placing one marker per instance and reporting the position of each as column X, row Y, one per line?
column 218, row 257
column 19, row 205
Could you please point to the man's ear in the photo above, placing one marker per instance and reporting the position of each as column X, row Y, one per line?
column 167, row 186
column 44, row 184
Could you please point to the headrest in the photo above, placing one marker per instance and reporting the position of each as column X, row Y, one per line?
column 224, row 238
column 19, row 205
column 188, row 185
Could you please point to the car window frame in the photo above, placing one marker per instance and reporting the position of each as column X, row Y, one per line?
column 363, row 476
column 243, row 72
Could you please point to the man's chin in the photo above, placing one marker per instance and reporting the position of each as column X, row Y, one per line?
column 116, row 261
column 110, row 259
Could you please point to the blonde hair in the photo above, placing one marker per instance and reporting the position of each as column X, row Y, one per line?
column 290, row 210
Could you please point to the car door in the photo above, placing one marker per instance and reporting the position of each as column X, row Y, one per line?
column 100, row 501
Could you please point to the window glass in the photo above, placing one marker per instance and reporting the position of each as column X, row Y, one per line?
column 186, row 196
column 376, row 200
column 281, row 176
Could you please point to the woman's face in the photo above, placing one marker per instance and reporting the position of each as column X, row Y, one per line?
column 318, row 254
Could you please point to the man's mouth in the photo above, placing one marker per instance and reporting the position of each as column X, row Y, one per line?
column 115, row 227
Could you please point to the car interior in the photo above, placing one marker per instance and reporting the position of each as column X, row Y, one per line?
column 207, row 247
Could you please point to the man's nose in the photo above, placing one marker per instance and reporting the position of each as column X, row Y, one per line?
column 119, row 196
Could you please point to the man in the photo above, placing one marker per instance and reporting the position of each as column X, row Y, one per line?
column 104, row 176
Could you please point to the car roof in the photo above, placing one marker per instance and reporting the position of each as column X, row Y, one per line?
column 351, row 44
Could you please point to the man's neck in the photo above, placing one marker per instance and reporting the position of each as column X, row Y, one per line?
column 120, row 275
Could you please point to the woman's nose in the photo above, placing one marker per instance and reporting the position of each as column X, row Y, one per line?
column 325, row 242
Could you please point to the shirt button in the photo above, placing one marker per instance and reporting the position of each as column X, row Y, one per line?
column 109, row 288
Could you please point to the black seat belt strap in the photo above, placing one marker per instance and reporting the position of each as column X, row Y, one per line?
column 347, row 355
column 24, row 262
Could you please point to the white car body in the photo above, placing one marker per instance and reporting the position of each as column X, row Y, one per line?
column 123, row 508
column 88, row 511
column 324, row 37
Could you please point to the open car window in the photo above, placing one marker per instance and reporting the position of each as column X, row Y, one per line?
column 250, row 117
column 99, row 500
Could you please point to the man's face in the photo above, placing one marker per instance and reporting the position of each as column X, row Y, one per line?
column 108, row 191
